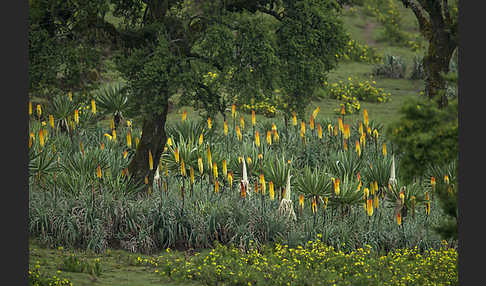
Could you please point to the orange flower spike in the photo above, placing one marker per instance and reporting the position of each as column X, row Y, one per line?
column 345, row 145
column 446, row 179
column 269, row 138
column 336, row 186
column 301, row 201
column 39, row 110
column 216, row 186
column 316, row 111
column 365, row 117
column 343, row 110
column 215, row 170
column 230, row 179
column 98, row 172
column 330, row 129
column 366, row 193
column 399, row 218
column 314, row 205
column 384, row 149
column 129, row 139
column 275, row 136
column 326, row 200
column 253, row 118
column 225, row 128
column 151, row 160
column 41, row 137
column 402, row 197
column 319, row 130
column 311, row 122
column 369, row 206
column 184, row 116
column 51, row 120
column 233, row 110
column 263, row 184
column 243, row 190
column 102, row 146
column 176, row 154
column 183, row 167
column 302, row 129
column 346, row 131
column 225, row 168
column 210, row 123
column 257, row 138
column 358, row 148
column 76, row 116
column 238, row 133
column 113, row 134
column 340, row 124
column 361, row 128
column 432, row 182
column 376, row 202
column 201, row 139
column 335, row 130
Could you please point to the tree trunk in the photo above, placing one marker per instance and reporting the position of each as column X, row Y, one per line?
column 153, row 139
column 437, row 62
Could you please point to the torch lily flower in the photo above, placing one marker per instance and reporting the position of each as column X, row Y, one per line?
column 216, row 186
column 113, row 133
column 314, row 205
column 93, row 106
column 98, row 172
column 233, row 110
column 242, row 123
column 262, row 183
column 302, row 129
column 319, row 130
column 358, row 149
column 176, row 154
column 311, row 122
column 271, row 190
column 294, row 118
column 210, row 123
column 200, row 165
column 399, row 218
column 210, row 161
column 201, row 139
column 365, row 117
column 225, row 168
column 257, row 138
column 151, row 161
column 275, row 136
column 316, row 111
column 269, row 138
column 301, row 201
column 253, row 118
column 384, row 149
column 129, row 139
column 169, row 142
column 369, row 206
column 184, row 116
column 340, row 124
column 225, row 125
column 336, row 183
column 41, row 137
column 230, row 179
column 39, row 110
column 30, row 107
column 76, row 116
column 346, row 131
column 183, row 167
column 215, row 170
column 238, row 133
column 432, row 182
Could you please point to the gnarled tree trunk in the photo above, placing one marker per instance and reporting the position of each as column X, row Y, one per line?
column 153, row 139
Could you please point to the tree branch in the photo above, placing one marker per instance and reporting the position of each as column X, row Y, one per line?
column 424, row 23
column 270, row 12
column 447, row 14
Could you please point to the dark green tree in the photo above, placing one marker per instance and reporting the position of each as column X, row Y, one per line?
column 438, row 24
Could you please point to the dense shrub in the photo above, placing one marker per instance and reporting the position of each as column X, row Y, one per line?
column 392, row 67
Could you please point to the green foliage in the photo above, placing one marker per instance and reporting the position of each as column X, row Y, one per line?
column 72, row 263
column 418, row 68
column 358, row 52
column 425, row 135
column 392, row 67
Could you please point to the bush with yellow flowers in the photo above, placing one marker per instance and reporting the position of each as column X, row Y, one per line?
column 351, row 93
column 311, row 264
column 355, row 51
column 264, row 107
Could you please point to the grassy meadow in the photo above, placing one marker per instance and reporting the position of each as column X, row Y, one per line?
column 343, row 217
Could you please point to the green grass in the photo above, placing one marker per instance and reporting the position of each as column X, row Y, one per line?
column 117, row 267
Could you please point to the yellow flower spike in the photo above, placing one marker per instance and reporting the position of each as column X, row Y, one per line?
column 427, row 196
column 98, row 172
column 362, row 140
column 314, row 205
column 225, row 126
column 330, row 129
column 201, row 139
column 275, row 136
column 274, row 127
column 368, row 129
column 70, row 96
column 358, row 149
column 335, row 131
column 263, row 184
column 369, row 206
column 446, row 179
column 215, row 170
column 432, row 182
column 93, row 106
column 137, row 141
column 340, row 124
column 183, row 167
column 359, row 186
column 366, row 193
column 184, row 116
column 271, row 191
column 129, row 124
column 225, row 168
column 216, row 186
column 427, row 208
column 113, row 134
column 51, row 120
column 345, row 145
column 151, row 160
column 248, row 160
column 257, row 138
column 129, row 139
column 176, row 154
column 76, row 116
column 169, row 142
column 269, row 138
column 399, row 218
column 302, row 129
column 230, row 179
column 242, row 123
column 30, row 107
column 294, row 118
column 326, row 200
column 200, row 165
column 260, row 156
column 238, row 133
column 346, row 131
column 253, row 118
column 402, row 197
column 39, row 110
column 210, row 123
column 102, row 146
column 343, row 110
column 365, row 117
column 210, row 161
column 112, row 124
column 384, row 149
column 233, row 110
column 125, row 153
column 375, row 133
column 361, row 128
column 376, row 202
column 316, row 111
column 301, row 201
column 336, row 186
column 41, row 138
